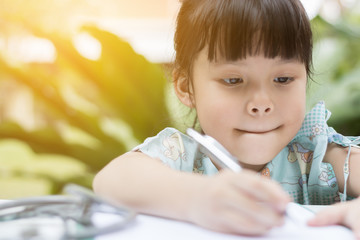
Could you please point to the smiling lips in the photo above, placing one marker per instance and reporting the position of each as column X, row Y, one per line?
column 258, row 132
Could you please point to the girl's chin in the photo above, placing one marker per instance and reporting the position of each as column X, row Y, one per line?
column 257, row 152
column 257, row 158
column 256, row 168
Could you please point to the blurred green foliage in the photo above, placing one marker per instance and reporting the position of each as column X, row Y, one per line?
column 337, row 71
column 127, row 98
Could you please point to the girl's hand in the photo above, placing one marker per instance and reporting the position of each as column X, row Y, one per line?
column 347, row 214
column 238, row 203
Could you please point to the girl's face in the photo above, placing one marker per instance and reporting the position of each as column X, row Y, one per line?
column 253, row 107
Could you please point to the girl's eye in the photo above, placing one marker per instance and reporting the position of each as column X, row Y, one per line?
column 283, row 80
column 232, row 81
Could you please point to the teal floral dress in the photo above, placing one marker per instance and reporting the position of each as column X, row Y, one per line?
column 299, row 167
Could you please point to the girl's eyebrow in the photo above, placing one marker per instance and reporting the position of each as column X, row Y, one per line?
column 291, row 60
column 224, row 63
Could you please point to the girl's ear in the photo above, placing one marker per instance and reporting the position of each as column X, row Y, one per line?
column 183, row 89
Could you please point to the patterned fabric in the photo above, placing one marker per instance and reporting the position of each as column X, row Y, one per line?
column 299, row 167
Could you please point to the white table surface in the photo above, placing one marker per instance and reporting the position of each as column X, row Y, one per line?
column 150, row 227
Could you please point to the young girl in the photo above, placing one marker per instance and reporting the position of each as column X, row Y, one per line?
column 243, row 65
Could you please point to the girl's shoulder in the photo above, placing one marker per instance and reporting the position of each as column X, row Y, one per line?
column 315, row 126
column 170, row 142
column 315, row 122
column 178, row 151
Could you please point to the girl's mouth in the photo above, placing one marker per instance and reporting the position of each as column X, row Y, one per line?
column 258, row 131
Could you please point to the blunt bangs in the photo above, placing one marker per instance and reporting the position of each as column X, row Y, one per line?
column 235, row 29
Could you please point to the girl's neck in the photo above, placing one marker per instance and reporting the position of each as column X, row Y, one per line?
column 256, row 168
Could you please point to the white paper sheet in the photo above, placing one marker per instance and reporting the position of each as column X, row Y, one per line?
column 148, row 227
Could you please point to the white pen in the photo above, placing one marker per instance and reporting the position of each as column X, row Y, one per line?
column 215, row 151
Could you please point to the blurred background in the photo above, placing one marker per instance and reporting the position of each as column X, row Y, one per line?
column 83, row 81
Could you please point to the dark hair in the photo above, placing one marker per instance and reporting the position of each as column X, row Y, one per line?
column 238, row 28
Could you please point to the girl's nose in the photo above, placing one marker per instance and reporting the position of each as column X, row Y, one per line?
column 260, row 107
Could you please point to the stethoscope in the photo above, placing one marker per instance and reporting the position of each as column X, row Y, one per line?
column 76, row 213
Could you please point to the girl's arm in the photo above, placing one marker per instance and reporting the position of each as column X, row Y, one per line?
column 227, row 202
column 336, row 155
column 347, row 213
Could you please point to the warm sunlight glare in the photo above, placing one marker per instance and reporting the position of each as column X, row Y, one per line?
column 30, row 49
column 87, row 46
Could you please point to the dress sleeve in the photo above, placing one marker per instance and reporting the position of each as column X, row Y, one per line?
column 172, row 147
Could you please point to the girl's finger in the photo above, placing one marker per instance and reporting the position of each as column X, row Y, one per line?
column 352, row 218
column 252, row 209
column 263, row 190
column 331, row 216
column 356, row 229
column 347, row 214
column 245, row 226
